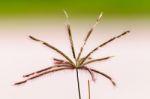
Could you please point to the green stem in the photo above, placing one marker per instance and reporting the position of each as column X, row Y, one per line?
column 78, row 84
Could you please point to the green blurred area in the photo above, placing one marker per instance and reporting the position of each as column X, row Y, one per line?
column 76, row 7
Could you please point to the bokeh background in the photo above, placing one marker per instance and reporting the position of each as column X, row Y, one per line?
column 75, row 7
column 45, row 19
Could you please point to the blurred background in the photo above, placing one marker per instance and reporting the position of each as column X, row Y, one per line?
column 74, row 7
column 45, row 19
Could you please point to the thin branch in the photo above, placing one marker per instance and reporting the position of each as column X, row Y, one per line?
column 96, row 60
column 103, row 44
column 70, row 36
column 39, row 71
column 41, row 74
column 88, row 35
column 52, row 47
column 105, row 75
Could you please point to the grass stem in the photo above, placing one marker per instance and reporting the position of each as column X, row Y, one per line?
column 78, row 84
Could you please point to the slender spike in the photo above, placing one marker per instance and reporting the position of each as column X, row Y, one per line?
column 65, row 12
column 52, row 47
column 21, row 82
column 96, row 60
column 71, row 42
column 103, row 44
column 89, row 90
column 105, row 75
column 33, row 38
column 60, row 53
column 39, row 71
column 91, row 73
column 59, row 60
column 88, row 35
column 70, row 36
column 41, row 74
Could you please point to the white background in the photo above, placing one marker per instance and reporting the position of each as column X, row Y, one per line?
column 19, row 55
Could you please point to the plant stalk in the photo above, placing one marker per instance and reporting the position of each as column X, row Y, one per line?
column 78, row 84
column 89, row 92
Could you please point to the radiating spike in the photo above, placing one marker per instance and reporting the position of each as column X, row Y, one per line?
column 91, row 73
column 105, row 75
column 21, row 82
column 48, row 68
column 41, row 74
column 96, row 60
column 88, row 35
column 66, row 14
column 70, row 35
column 52, row 47
column 103, row 44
